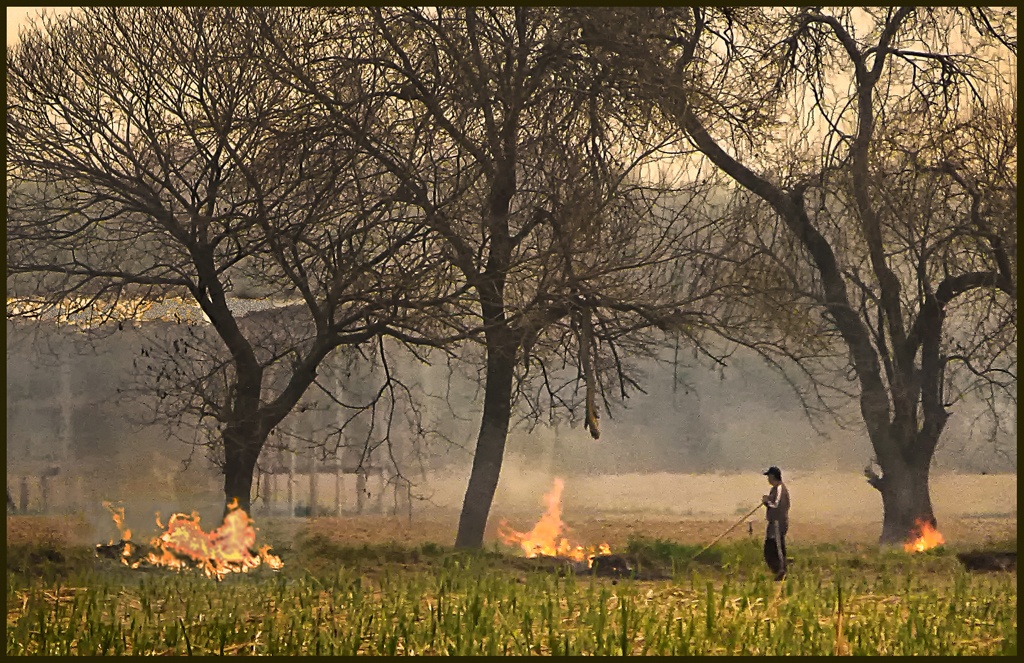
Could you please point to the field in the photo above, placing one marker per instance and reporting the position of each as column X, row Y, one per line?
column 382, row 585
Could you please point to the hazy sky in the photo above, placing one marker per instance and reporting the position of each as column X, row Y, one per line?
column 18, row 16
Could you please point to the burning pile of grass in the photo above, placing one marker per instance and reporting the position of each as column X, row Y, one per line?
column 183, row 544
column 927, row 537
column 546, row 540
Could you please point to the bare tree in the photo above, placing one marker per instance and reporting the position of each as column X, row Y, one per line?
column 877, row 177
column 541, row 182
column 151, row 156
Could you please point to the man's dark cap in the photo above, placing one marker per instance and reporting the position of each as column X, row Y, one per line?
column 773, row 472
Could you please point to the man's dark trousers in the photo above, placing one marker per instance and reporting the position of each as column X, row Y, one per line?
column 775, row 549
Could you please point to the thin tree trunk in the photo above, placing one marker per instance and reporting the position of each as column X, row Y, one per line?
column 312, row 488
column 490, row 447
column 337, row 489
column 291, row 483
column 268, row 492
column 23, row 496
column 360, row 491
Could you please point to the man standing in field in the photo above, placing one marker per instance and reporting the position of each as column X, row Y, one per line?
column 777, row 501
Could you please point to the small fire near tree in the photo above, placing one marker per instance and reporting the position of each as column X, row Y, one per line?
column 927, row 537
column 183, row 544
column 545, row 539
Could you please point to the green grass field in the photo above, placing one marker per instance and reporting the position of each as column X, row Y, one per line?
column 388, row 599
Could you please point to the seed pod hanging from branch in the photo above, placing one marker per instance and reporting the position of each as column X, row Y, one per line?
column 586, row 336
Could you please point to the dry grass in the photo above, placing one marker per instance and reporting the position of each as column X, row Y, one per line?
column 689, row 509
column 56, row 530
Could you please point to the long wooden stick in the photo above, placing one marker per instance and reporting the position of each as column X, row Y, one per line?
column 719, row 537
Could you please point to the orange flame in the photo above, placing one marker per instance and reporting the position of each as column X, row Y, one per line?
column 225, row 550
column 118, row 513
column 545, row 537
column 927, row 537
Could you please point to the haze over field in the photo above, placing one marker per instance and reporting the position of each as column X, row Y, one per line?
column 827, row 506
column 655, row 344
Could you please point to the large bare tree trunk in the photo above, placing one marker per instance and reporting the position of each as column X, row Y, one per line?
column 241, row 450
column 905, row 500
column 490, row 445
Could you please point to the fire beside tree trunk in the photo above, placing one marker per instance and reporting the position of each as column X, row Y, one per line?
column 905, row 500
column 240, row 454
column 490, row 449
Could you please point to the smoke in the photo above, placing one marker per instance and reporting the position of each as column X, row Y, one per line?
column 692, row 421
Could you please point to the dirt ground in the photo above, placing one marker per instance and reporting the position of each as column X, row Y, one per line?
column 617, row 530
column 694, row 509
